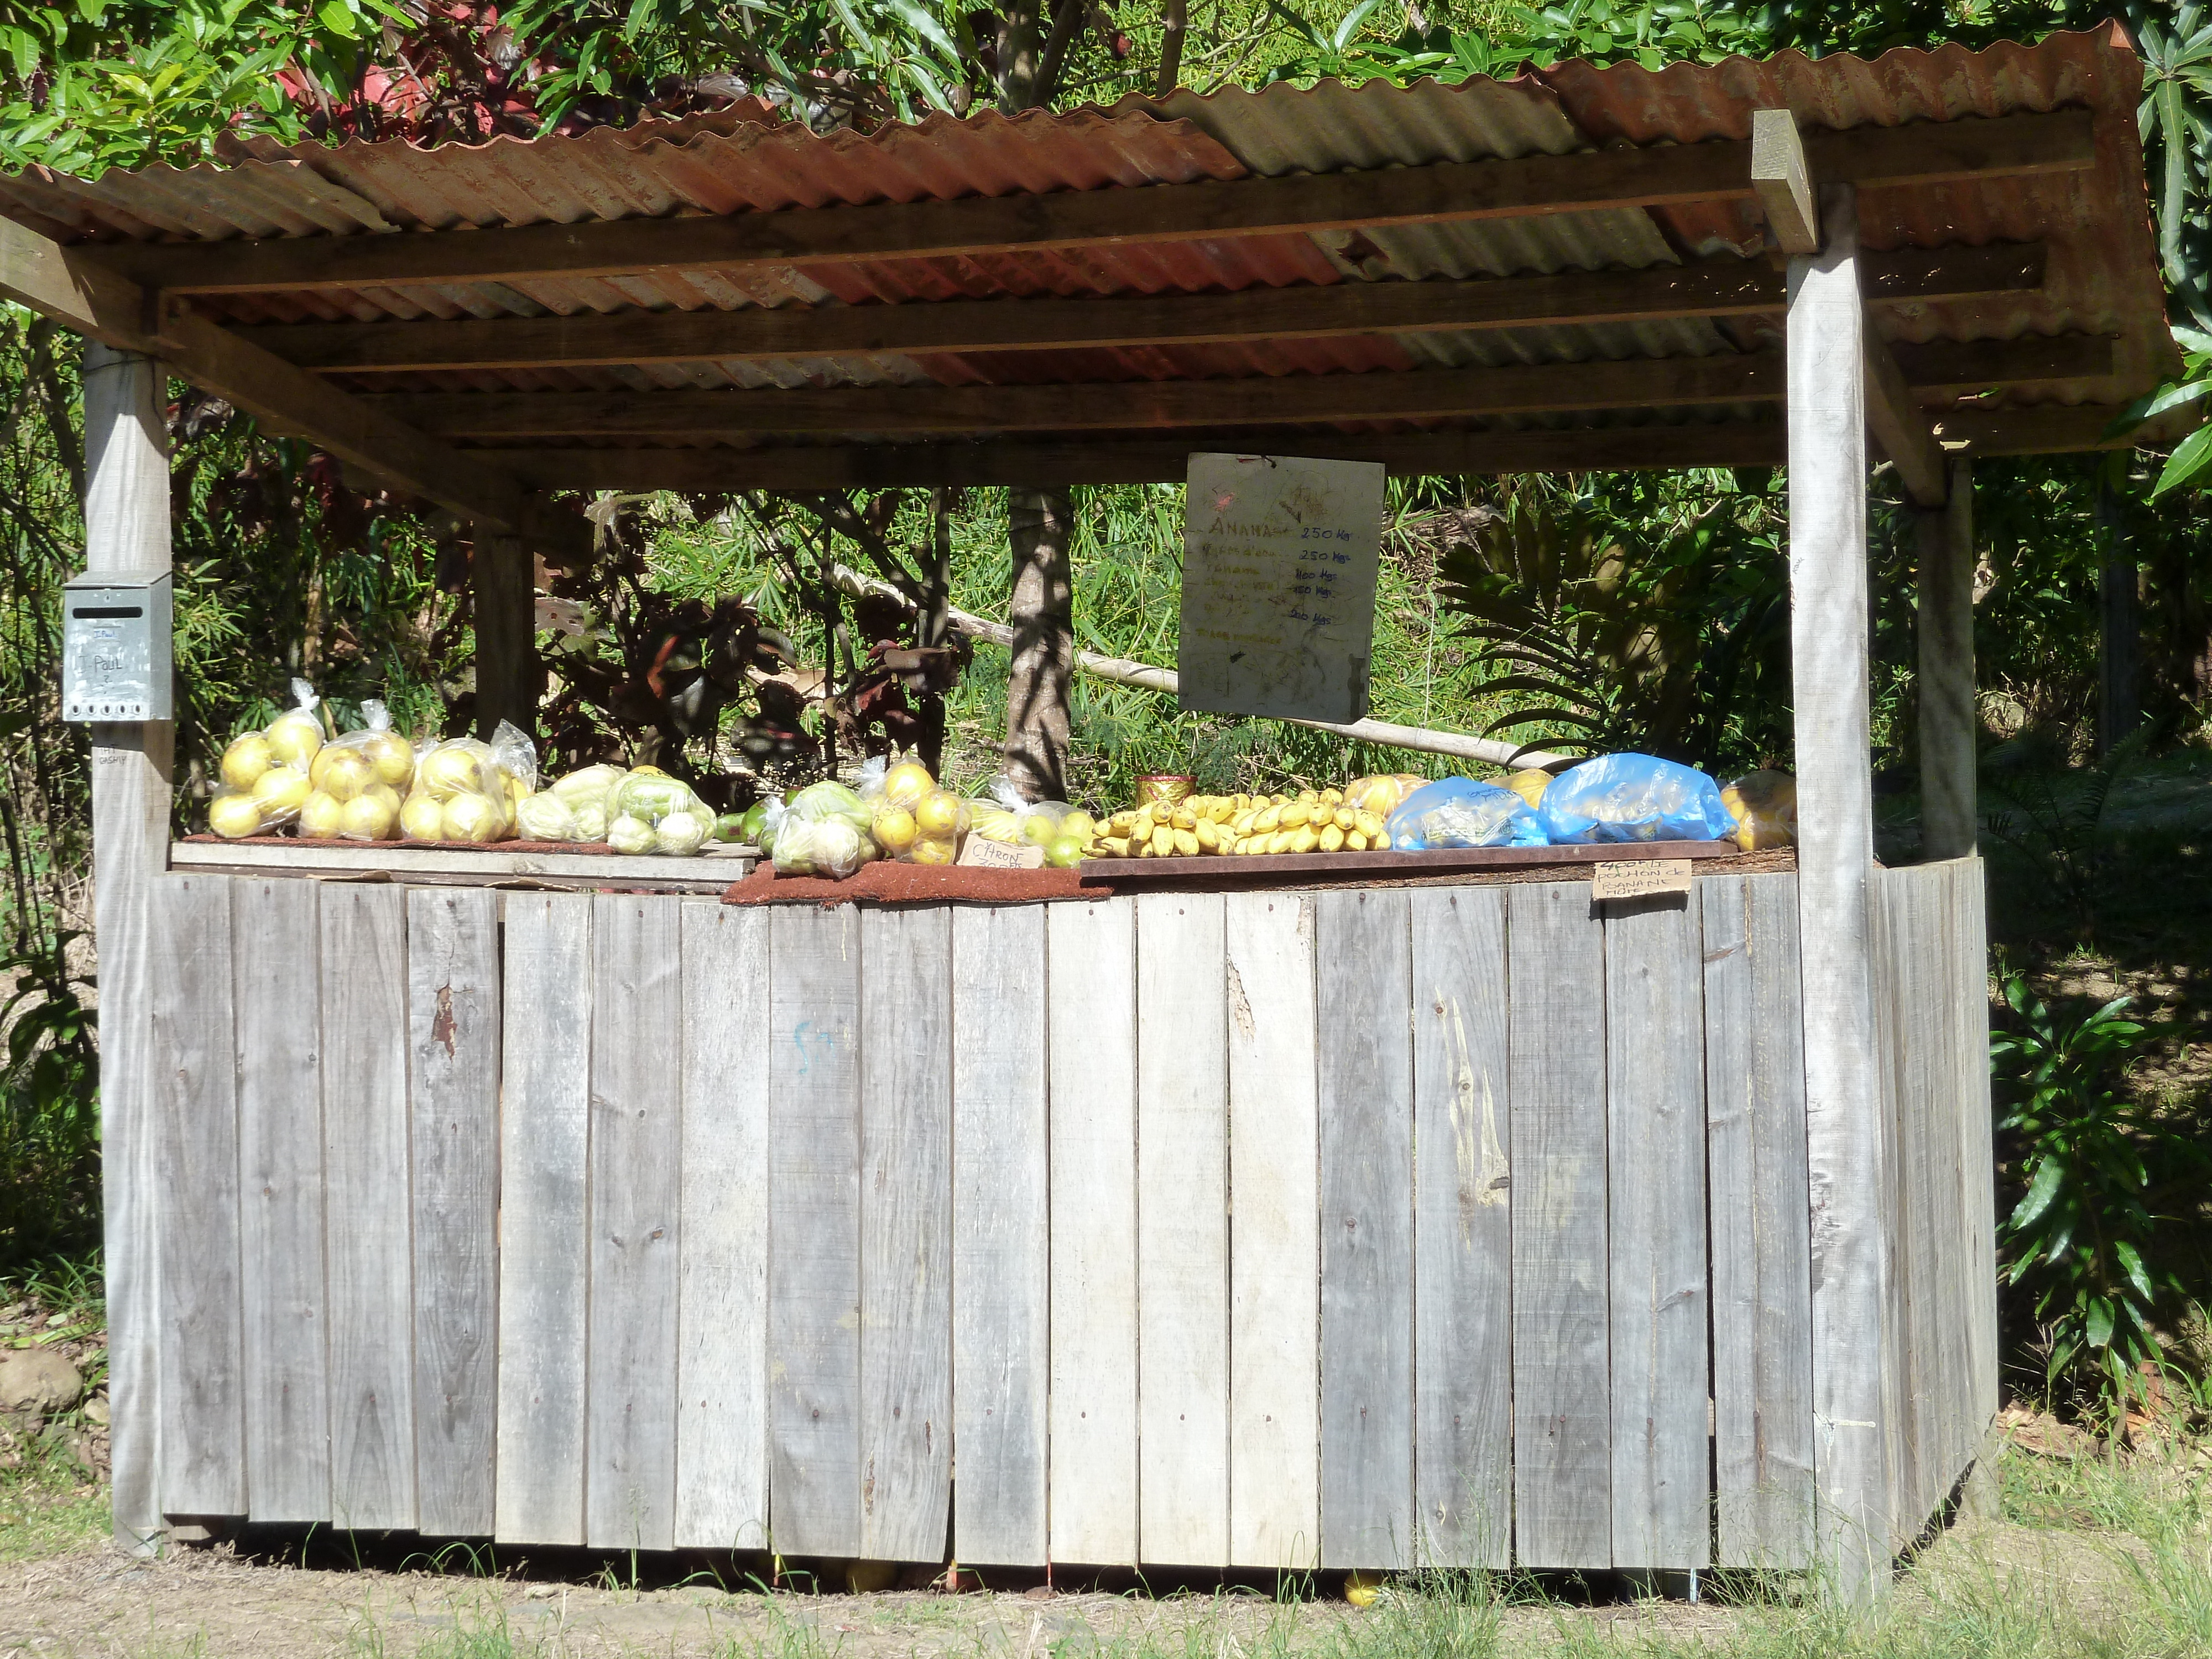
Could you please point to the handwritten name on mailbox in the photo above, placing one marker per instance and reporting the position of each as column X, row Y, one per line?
column 1278, row 585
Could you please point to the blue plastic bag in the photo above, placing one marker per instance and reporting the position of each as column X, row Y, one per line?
column 1461, row 812
column 1634, row 798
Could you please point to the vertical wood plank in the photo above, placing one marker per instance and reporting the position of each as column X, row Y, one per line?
column 1826, row 421
column 1890, row 1065
column 1183, row 1235
column 629, row 1478
column 1274, row 1234
column 280, row 1161
column 195, row 1098
column 814, row 1230
column 454, row 1042
column 1462, row 1229
column 1091, row 993
column 365, row 1207
column 126, row 529
column 544, row 1262
column 1655, row 1229
column 721, row 1415
column 1761, row 1274
column 906, row 1234
column 1365, row 947
column 1977, row 1156
column 1562, row 1422
column 1001, row 1233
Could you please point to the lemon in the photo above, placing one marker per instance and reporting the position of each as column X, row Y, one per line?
column 1066, row 853
column 471, row 817
column 368, row 816
column 422, row 817
column 894, row 830
column 907, row 783
column 294, row 738
column 1080, row 824
column 450, row 771
column 320, row 816
column 390, row 757
column 1042, row 828
column 280, row 790
column 387, row 794
column 246, row 760
column 341, row 774
column 938, row 814
column 930, row 851
column 233, row 817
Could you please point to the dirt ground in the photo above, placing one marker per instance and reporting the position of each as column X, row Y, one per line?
column 88, row 1600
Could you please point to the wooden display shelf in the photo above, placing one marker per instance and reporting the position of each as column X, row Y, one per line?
column 1310, row 867
column 706, row 872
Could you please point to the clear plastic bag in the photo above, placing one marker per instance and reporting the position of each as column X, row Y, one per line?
column 269, row 769
column 1006, row 817
column 822, row 830
column 357, row 780
column 912, row 819
column 650, row 795
column 297, row 735
column 1764, row 806
column 1383, row 793
column 1463, row 812
column 1633, row 798
column 466, row 791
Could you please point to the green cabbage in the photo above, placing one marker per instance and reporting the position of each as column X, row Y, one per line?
column 544, row 817
column 680, row 834
column 629, row 834
column 647, row 796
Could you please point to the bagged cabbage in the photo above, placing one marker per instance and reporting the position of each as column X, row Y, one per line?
column 1631, row 798
column 1463, row 812
column 822, row 830
column 545, row 816
column 1381, row 794
column 679, row 834
column 571, row 809
column 651, row 794
column 1764, row 807
column 630, row 834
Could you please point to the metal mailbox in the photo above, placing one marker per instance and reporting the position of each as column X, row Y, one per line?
column 115, row 648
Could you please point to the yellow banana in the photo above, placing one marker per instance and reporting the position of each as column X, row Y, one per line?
column 1162, row 840
column 1268, row 822
column 1280, row 841
column 1368, row 824
column 1354, row 841
column 1304, row 838
column 1332, row 839
column 1207, row 834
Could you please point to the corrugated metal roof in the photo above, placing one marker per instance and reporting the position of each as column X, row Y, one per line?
column 2102, row 272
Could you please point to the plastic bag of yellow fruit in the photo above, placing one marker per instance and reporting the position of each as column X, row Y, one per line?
column 1381, row 794
column 912, row 817
column 356, row 782
column 266, row 779
column 467, row 791
column 1764, row 806
column 1005, row 817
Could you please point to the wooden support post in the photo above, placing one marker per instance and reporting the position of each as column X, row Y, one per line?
column 1783, row 181
column 1947, row 758
column 126, row 531
column 1845, row 1149
column 510, row 675
column 2118, row 631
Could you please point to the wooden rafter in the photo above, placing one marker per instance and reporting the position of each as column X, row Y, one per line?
column 1139, row 405
column 62, row 284
column 1526, row 186
column 1717, row 287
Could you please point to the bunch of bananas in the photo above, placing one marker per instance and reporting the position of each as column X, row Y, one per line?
column 1311, row 821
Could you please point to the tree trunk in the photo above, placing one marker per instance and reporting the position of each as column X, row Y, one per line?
column 1043, row 616
column 2119, row 629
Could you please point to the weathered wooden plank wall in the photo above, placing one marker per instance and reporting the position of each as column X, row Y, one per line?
column 795, row 1207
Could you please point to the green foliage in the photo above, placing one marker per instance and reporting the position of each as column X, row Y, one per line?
column 2080, row 1240
column 1648, row 615
column 2051, row 814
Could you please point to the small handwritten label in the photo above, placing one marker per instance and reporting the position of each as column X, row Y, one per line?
column 1640, row 878
column 981, row 855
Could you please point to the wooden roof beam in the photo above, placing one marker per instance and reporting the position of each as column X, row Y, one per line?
column 1407, row 454
column 1716, row 287
column 1256, row 401
column 1527, row 186
column 58, row 283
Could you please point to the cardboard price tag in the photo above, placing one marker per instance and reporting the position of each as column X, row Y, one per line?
column 1640, row 878
column 981, row 855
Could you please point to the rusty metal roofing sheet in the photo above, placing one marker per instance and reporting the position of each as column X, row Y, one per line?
column 2102, row 273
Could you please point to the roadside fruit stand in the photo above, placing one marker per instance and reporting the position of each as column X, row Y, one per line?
column 879, row 1217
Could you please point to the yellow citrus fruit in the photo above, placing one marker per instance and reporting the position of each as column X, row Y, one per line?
column 905, row 784
column 390, row 757
column 246, row 760
column 450, row 771
column 341, row 774
column 894, row 830
column 233, row 817
column 387, row 794
column 930, row 851
column 1080, row 824
column 320, row 816
column 423, row 818
column 294, row 738
column 1041, row 828
column 368, row 817
column 472, row 817
column 281, row 789
column 938, row 814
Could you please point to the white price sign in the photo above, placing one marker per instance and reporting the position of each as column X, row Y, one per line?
column 1278, row 585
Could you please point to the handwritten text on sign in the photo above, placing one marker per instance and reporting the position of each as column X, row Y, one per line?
column 1640, row 878
column 1278, row 585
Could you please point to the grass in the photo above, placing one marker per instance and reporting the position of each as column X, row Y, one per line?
column 49, row 1504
